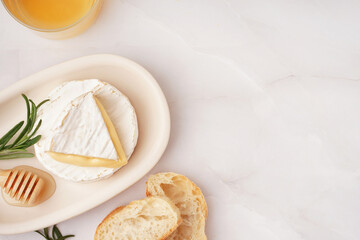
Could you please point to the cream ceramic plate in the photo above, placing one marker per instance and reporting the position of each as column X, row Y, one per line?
column 71, row 199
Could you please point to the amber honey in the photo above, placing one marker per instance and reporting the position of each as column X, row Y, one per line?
column 54, row 15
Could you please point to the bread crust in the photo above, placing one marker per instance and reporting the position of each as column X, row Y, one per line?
column 113, row 212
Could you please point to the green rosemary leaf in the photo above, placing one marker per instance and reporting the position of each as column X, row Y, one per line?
column 46, row 232
column 32, row 114
column 30, row 142
column 13, row 150
column 65, row 237
column 27, row 107
column 16, row 155
column 6, row 138
column 39, row 105
column 22, row 135
column 56, row 234
column 17, row 149
column 37, row 231
column 36, row 128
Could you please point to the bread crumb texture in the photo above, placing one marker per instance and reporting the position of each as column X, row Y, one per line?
column 187, row 197
column 151, row 218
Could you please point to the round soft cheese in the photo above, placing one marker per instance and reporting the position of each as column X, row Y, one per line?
column 119, row 109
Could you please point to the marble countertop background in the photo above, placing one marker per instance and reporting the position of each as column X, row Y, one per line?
column 264, row 99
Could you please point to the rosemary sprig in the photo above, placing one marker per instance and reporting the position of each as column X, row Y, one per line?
column 56, row 234
column 17, row 149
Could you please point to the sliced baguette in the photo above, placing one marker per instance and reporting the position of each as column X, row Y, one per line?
column 187, row 197
column 152, row 218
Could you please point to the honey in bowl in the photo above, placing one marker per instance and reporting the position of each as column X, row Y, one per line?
column 54, row 15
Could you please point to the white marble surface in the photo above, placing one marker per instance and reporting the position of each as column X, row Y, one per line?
column 265, row 105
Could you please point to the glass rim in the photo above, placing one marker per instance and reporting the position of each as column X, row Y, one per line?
column 96, row 2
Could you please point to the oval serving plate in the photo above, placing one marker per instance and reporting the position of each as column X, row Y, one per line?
column 71, row 199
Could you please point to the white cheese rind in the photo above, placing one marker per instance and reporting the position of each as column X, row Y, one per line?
column 81, row 130
column 119, row 110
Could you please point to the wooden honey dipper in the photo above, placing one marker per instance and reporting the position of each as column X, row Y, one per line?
column 26, row 186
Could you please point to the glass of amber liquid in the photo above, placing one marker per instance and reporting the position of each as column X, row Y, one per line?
column 54, row 19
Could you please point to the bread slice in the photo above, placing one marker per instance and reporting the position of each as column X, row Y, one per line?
column 152, row 218
column 187, row 197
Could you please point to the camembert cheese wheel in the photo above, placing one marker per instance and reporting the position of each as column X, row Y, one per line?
column 89, row 131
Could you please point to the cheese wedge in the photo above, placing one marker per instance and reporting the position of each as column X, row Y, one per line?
column 87, row 137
